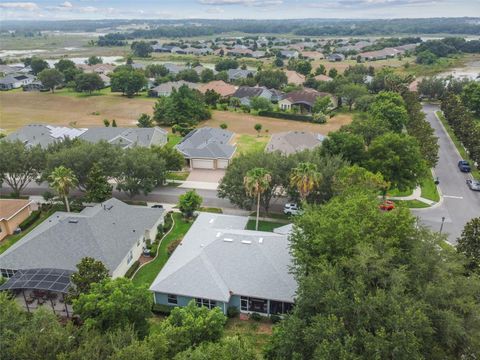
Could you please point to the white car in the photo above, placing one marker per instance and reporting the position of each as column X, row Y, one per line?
column 291, row 209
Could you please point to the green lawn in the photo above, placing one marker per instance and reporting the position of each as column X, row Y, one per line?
column 263, row 225
column 147, row 274
column 12, row 239
column 279, row 216
column 178, row 175
column 247, row 143
column 461, row 150
column 397, row 193
column 255, row 332
column 173, row 139
column 412, row 204
column 429, row 189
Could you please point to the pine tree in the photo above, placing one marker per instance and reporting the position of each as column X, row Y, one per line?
column 97, row 186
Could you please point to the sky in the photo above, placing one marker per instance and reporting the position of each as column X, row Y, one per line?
column 235, row 9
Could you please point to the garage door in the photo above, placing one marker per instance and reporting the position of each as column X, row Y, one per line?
column 222, row 163
column 202, row 164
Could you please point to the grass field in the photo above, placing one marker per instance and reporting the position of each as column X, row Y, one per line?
column 69, row 109
column 429, row 189
column 149, row 272
column 263, row 225
column 246, row 143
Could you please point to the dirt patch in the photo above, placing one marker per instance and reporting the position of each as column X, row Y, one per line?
column 242, row 123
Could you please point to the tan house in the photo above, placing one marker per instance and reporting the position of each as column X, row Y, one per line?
column 294, row 77
column 304, row 100
column 220, row 87
column 12, row 213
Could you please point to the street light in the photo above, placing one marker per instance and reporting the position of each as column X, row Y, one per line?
column 441, row 226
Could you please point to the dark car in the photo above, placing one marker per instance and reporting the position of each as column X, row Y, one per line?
column 157, row 206
column 464, row 166
column 473, row 185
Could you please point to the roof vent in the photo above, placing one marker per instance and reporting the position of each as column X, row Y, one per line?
column 211, row 220
column 260, row 241
column 73, row 221
column 228, row 240
column 218, row 234
column 248, row 242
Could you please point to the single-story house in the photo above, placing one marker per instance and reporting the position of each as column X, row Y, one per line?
column 236, row 74
column 336, row 57
column 291, row 142
column 162, row 48
column 104, row 69
column 220, row 87
column 305, row 99
column 245, row 93
column 239, row 52
column 15, row 81
column 294, row 77
column 166, row 89
column 313, row 55
column 113, row 232
column 379, row 54
column 289, row 54
column 207, row 148
column 174, row 68
column 257, row 54
column 8, row 69
column 34, row 86
column 12, row 213
column 44, row 135
column 220, row 264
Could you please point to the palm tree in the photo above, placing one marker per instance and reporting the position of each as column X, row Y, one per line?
column 305, row 178
column 62, row 180
column 256, row 182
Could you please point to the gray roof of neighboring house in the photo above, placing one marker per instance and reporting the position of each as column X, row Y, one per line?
column 169, row 86
column 13, row 78
column 174, row 68
column 293, row 141
column 249, row 91
column 234, row 74
column 7, row 69
column 105, row 232
column 44, row 135
column 218, row 258
column 207, row 143
column 127, row 136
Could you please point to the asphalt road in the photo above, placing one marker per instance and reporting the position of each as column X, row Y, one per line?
column 459, row 204
column 167, row 194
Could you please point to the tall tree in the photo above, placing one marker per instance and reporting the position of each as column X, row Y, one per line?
column 145, row 121
column 94, row 60
column 141, row 48
column 51, row 78
column 62, row 180
column 127, row 81
column 189, row 202
column 305, row 178
column 88, row 82
column 38, row 65
column 469, row 244
column 97, row 186
column 20, row 164
column 256, row 182
column 89, row 271
column 351, row 92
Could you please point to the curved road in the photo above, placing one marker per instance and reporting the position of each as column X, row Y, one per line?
column 459, row 204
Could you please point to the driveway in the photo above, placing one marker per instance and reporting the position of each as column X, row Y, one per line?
column 459, row 204
column 208, row 176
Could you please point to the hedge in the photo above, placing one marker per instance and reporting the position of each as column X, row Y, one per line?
column 283, row 115
column 162, row 309
column 132, row 269
column 34, row 216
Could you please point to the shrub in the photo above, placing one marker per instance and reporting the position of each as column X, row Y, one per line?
column 167, row 224
column 172, row 246
column 162, row 309
column 135, row 202
column 319, row 118
column 255, row 316
column 34, row 216
column 232, row 312
column 132, row 269
column 284, row 115
column 275, row 318
column 153, row 249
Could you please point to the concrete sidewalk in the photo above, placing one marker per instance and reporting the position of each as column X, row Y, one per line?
column 416, row 195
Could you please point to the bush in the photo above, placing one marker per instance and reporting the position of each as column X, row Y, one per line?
column 135, row 202
column 232, row 312
column 132, row 269
column 153, row 249
column 319, row 118
column 275, row 318
column 161, row 309
column 283, row 115
column 34, row 216
column 172, row 246
column 255, row 316
column 167, row 223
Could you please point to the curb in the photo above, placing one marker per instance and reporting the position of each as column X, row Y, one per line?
column 163, row 237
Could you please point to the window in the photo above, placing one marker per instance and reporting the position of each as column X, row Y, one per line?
column 206, row 302
column 130, row 257
column 244, row 303
column 172, row 299
column 7, row 273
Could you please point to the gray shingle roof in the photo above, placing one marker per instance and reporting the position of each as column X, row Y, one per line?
column 293, row 141
column 44, row 135
column 105, row 232
column 218, row 258
column 206, row 142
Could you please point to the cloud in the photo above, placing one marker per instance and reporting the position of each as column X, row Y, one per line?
column 27, row 6
column 215, row 10
column 66, row 4
column 260, row 3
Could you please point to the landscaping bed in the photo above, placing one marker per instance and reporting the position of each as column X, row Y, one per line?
column 263, row 225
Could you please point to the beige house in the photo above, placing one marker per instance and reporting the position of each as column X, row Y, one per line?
column 12, row 213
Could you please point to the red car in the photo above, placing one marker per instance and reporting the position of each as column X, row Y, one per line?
column 387, row 205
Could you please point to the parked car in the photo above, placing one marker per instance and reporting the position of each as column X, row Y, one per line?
column 473, row 184
column 157, row 206
column 291, row 209
column 387, row 205
column 464, row 166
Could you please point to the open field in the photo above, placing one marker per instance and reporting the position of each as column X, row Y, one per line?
column 19, row 108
